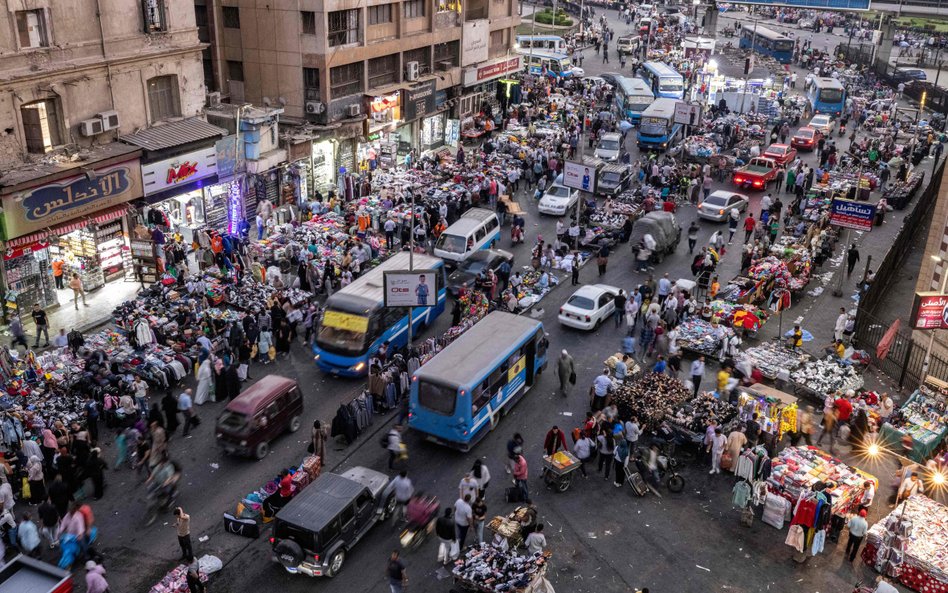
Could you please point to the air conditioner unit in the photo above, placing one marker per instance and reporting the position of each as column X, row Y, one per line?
column 110, row 120
column 315, row 107
column 353, row 110
column 213, row 99
column 90, row 127
column 444, row 66
column 412, row 70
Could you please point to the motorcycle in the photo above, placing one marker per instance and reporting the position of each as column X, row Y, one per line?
column 421, row 512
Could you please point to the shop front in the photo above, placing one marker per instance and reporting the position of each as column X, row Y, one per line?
column 420, row 109
column 74, row 223
column 323, row 166
column 174, row 192
column 386, row 139
column 486, row 84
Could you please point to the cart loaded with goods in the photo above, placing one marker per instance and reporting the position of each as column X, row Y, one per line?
column 490, row 569
column 558, row 470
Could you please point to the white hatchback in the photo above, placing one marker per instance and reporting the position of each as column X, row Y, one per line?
column 589, row 306
column 557, row 200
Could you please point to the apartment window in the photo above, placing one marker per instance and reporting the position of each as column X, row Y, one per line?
column 235, row 70
column 163, row 97
column 231, row 17
column 422, row 55
column 380, row 15
column 153, row 12
column 447, row 52
column 496, row 39
column 383, row 71
column 346, row 80
column 41, row 126
column 31, row 27
column 344, row 27
column 414, row 8
column 311, row 83
column 309, row 22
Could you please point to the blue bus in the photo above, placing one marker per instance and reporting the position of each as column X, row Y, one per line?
column 356, row 321
column 767, row 42
column 547, row 43
column 632, row 97
column 826, row 95
column 549, row 63
column 658, row 130
column 458, row 396
column 664, row 80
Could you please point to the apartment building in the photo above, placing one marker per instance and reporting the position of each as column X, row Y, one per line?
column 368, row 79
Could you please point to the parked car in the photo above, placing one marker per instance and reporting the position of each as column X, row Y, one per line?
column 757, row 173
column 315, row 530
column 719, row 204
column 613, row 180
column 610, row 147
column 806, row 138
column 780, row 153
column 557, row 200
column 268, row 408
column 909, row 74
column 664, row 229
column 822, row 122
column 588, row 307
column 466, row 272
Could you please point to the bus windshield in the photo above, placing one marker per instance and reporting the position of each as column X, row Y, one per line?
column 343, row 333
column 451, row 243
column 670, row 85
column 437, row 398
column 637, row 106
column 653, row 126
column 831, row 95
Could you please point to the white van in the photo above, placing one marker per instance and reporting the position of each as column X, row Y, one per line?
column 476, row 229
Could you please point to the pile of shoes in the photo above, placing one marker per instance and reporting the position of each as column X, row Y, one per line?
column 652, row 398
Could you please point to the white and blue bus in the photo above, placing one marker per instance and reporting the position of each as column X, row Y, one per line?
column 458, row 396
column 632, row 97
column 548, row 63
column 658, row 130
column 547, row 43
column 664, row 80
column 767, row 42
column 356, row 321
column 826, row 95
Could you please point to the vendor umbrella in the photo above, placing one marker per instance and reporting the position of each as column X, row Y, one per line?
column 807, row 336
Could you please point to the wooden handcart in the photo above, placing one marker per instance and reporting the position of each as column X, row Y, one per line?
column 558, row 470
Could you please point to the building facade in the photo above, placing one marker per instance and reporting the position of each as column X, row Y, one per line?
column 76, row 78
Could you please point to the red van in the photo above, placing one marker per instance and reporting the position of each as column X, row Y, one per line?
column 271, row 406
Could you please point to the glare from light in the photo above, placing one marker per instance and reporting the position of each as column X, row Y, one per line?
column 936, row 258
column 938, row 478
column 713, row 64
column 873, row 450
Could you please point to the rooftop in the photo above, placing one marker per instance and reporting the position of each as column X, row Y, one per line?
column 62, row 164
column 178, row 133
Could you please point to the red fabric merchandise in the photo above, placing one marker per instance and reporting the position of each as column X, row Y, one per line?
column 909, row 575
column 806, row 514
column 286, row 486
column 844, row 409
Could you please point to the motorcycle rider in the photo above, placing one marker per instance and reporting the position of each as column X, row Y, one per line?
column 163, row 481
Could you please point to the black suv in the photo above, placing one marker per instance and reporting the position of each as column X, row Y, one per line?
column 315, row 530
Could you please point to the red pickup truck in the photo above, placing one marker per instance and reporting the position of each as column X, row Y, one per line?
column 757, row 173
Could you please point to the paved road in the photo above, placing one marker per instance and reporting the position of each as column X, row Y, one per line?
column 603, row 539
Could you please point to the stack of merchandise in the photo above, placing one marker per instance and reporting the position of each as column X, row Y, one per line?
column 911, row 544
column 600, row 218
column 695, row 414
column 923, row 417
column 739, row 316
column 822, row 376
column 899, row 194
column 703, row 337
column 652, row 397
column 770, row 357
column 252, row 505
column 796, row 469
column 491, row 569
column 176, row 581
column 702, row 146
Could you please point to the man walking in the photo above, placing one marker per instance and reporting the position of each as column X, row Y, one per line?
column 840, row 326
column 619, row 300
column 566, row 372
column 186, row 407
column 19, row 336
column 749, row 224
column 697, row 373
column 182, row 524
column 857, row 532
column 42, row 325
column 463, row 515
column 852, row 256
column 397, row 577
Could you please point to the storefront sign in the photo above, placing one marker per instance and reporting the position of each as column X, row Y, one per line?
column 71, row 198
column 226, row 149
column 930, row 311
column 579, row 176
column 853, row 215
column 419, row 101
column 25, row 250
column 345, row 321
column 179, row 170
column 687, row 114
column 410, row 288
column 474, row 41
column 492, row 70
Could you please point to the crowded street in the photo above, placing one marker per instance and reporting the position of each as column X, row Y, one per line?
column 758, row 291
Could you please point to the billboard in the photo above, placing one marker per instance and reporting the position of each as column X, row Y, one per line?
column 687, row 114
column 474, row 42
column 825, row 4
column 579, row 176
column 411, row 288
column 850, row 214
column 929, row 311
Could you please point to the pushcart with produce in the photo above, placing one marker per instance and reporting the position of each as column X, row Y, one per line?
column 558, row 470
column 515, row 526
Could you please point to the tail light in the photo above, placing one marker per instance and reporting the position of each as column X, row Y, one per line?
column 758, row 184
column 561, row 310
column 272, row 539
column 316, row 557
column 738, row 180
column 588, row 318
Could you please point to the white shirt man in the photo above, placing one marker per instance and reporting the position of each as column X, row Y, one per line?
column 840, row 326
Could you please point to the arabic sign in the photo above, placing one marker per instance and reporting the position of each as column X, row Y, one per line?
column 345, row 321
column 853, row 215
column 414, row 288
column 418, row 101
column 474, row 41
column 49, row 205
column 579, row 176
column 828, row 4
column 930, row 311
column 179, row 170
column 491, row 70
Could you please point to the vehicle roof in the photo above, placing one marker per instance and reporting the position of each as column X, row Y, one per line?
column 593, row 290
column 661, row 68
column 807, row 129
column 466, row 359
column 662, row 107
column 611, row 136
column 488, row 253
column 259, row 393
column 726, row 193
column 469, row 221
column 617, row 168
column 366, row 292
column 820, row 116
column 827, row 81
column 783, row 146
column 320, row 502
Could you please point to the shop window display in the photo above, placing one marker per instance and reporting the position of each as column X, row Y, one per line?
column 29, row 279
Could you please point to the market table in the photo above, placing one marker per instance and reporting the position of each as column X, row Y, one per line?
column 923, row 418
column 796, row 469
column 776, row 410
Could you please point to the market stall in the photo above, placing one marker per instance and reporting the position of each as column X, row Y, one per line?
column 512, row 526
column 922, row 422
column 816, row 377
column 776, row 411
column 691, row 418
column 702, row 337
column 772, row 357
column 651, row 397
column 797, row 470
column 489, row 569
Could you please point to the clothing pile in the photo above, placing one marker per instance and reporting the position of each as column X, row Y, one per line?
column 495, row 570
column 353, row 418
column 703, row 337
column 652, row 397
column 797, row 469
column 822, row 376
column 770, row 357
column 176, row 580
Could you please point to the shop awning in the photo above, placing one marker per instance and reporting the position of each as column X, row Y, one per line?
column 173, row 134
column 110, row 214
column 103, row 217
